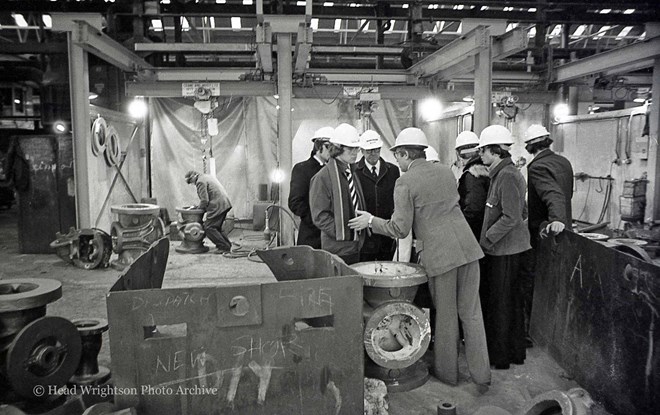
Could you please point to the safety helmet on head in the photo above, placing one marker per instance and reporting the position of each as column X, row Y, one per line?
column 370, row 140
column 495, row 135
column 191, row 176
column 466, row 138
column 323, row 134
column 346, row 135
column 431, row 154
column 411, row 136
column 535, row 131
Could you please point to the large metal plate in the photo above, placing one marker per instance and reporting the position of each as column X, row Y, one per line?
column 302, row 262
column 596, row 311
column 305, row 356
column 147, row 271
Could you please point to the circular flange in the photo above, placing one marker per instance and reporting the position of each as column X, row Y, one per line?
column 25, row 293
column 112, row 148
column 136, row 209
column 46, row 352
column 595, row 236
column 390, row 273
column 628, row 241
column 396, row 335
column 193, row 232
column 90, row 326
column 99, row 134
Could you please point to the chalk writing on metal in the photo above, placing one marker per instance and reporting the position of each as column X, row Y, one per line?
column 312, row 297
column 578, row 268
column 170, row 301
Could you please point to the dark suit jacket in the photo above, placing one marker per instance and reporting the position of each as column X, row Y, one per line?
column 379, row 196
column 550, row 189
column 473, row 190
column 301, row 175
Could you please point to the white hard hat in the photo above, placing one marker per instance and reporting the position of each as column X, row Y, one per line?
column 411, row 136
column 431, row 154
column 370, row 140
column 494, row 135
column 323, row 133
column 535, row 131
column 346, row 135
column 466, row 138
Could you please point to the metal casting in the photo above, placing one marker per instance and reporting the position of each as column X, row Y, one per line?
column 397, row 333
column 191, row 230
column 137, row 227
column 84, row 248
column 91, row 334
column 576, row 401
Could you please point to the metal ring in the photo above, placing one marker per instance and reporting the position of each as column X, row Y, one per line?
column 99, row 133
column 112, row 148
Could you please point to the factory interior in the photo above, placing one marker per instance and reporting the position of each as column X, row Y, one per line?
column 124, row 122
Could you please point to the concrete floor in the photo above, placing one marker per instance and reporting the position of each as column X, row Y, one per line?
column 84, row 297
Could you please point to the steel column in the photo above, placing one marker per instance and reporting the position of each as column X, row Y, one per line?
column 285, row 137
column 482, row 90
column 82, row 151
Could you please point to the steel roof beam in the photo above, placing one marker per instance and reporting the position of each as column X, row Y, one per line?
column 637, row 55
column 193, row 74
column 195, row 47
column 95, row 42
column 173, row 89
column 372, row 76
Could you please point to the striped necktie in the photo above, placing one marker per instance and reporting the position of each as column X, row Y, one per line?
column 354, row 198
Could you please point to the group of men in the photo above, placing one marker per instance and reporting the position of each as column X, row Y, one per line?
column 471, row 236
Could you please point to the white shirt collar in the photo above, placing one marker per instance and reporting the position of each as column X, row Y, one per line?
column 369, row 166
column 321, row 162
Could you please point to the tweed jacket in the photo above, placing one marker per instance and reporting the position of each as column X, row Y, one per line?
column 504, row 231
column 379, row 198
column 550, row 181
column 323, row 214
column 426, row 200
column 473, row 190
column 301, row 175
column 213, row 197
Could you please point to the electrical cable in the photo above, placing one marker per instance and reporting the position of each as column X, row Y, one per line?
column 324, row 101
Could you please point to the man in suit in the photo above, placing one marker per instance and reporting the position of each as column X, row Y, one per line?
column 473, row 182
column 377, row 178
column 213, row 199
column 549, row 193
column 426, row 200
column 301, row 175
column 335, row 196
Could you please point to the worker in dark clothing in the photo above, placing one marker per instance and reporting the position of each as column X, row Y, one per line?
column 377, row 178
column 504, row 237
column 549, row 193
column 550, row 186
column 301, row 175
column 474, row 181
column 213, row 199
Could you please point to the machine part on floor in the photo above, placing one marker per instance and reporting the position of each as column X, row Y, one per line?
column 290, row 347
column 147, row 271
column 91, row 334
column 289, row 263
column 375, row 397
column 112, row 151
column 397, row 333
column 446, row 408
column 84, row 248
column 575, row 401
column 492, row 410
column 137, row 227
column 191, row 230
column 628, row 241
column 99, row 134
column 594, row 236
column 45, row 353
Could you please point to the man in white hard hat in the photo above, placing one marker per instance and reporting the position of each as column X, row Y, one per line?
column 473, row 182
column 504, row 238
column 426, row 201
column 550, row 178
column 377, row 178
column 549, row 193
column 301, row 176
column 432, row 154
column 214, row 200
column 336, row 195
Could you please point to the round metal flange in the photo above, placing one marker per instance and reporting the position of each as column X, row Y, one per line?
column 112, row 148
column 193, row 232
column 574, row 402
column 396, row 335
column 90, row 326
column 399, row 380
column 99, row 134
column 136, row 209
column 390, row 273
column 26, row 293
column 46, row 352
column 595, row 236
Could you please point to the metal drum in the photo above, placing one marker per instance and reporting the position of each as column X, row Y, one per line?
column 191, row 230
column 138, row 226
column 397, row 332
